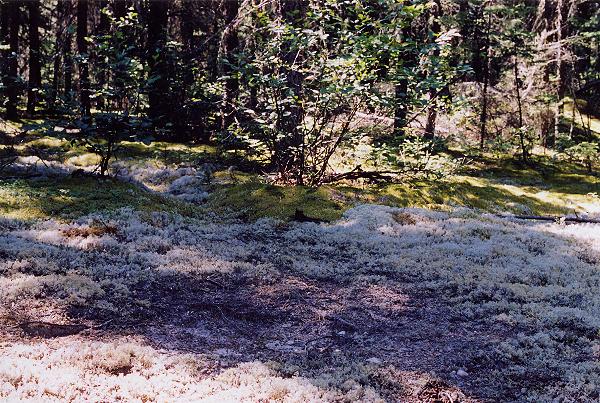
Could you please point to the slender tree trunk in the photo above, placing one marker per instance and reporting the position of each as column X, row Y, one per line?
column 102, row 74
column 230, row 44
column 68, row 53
column 4, row 53
column 35, row 71
column 84, row 79
column 187, row 24
column 484, row 112
column 486, row 81
column 524, row 153
column 57, row 68
column 157, row 36
column 401, row 107
column 432, row 109
column 407, row 59
column 250, row 47
column 518, row 91
column 14, row 11
column 558, row 110
column 289, row 153
column 210, row 25
column 120, row 8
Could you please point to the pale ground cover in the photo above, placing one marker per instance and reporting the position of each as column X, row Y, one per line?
column 386, row 304
column 185, row 183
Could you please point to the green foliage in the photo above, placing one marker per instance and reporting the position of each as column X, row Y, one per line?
column 420, row 157
column 103, row 132
column 308, row 103
column 585, row 152
column 118, row 93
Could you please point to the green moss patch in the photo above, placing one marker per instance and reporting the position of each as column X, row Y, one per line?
column 69, row 198
column 562, row 194
column 253, row 200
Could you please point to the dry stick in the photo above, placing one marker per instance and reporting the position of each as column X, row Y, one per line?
column 576, row 220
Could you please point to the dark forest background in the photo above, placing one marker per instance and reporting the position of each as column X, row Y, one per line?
column 291, row 82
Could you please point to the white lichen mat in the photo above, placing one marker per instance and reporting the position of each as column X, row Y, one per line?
column 385, row 304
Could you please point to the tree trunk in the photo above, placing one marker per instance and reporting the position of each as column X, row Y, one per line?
column 120, row 8
column 187, row 24
column 67, row 49
column 230, row 44
column 561, row 63
column 289, row 153
column 432, row 108
column 400, row 107
column 84, row 79
column 157, row 37
column 35, row 71
column 4, row 53
column 102, row 74
column 431, row 120
column 407, row 59
column 12, row 80
column 560, row 93
column 486, row 81
column 56, row 66
column 524, row 153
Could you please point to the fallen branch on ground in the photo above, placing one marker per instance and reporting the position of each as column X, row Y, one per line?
column 377, row 176
column 575, row 220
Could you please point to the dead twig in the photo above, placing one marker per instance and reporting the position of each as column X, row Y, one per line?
column 557, row 219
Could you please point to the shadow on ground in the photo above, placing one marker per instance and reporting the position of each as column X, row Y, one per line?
column 402, row 334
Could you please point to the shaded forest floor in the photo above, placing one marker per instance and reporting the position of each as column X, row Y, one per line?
column 186, row 280
column 385, row 304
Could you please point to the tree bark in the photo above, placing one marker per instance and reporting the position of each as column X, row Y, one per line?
column 524, row 153
column 561, row 63
column 432, row 109
column 560, row 93
column 230, row 44
column 56, row 60
column 187, row 24
column 486, row 81
column 67, row 49
column 4, row 53
column 120, row 8
column 289, row 153
column 12, row 80
column 157, row 37
column 35, row 71
column 102, row 74
column 401, row 107
column 407, row 59
column 84, row 79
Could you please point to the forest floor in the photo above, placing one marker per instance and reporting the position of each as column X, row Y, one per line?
column 171, row 284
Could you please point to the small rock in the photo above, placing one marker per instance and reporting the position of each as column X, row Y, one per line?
column 342, row 333
column 462, row 373
column 374, row 360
